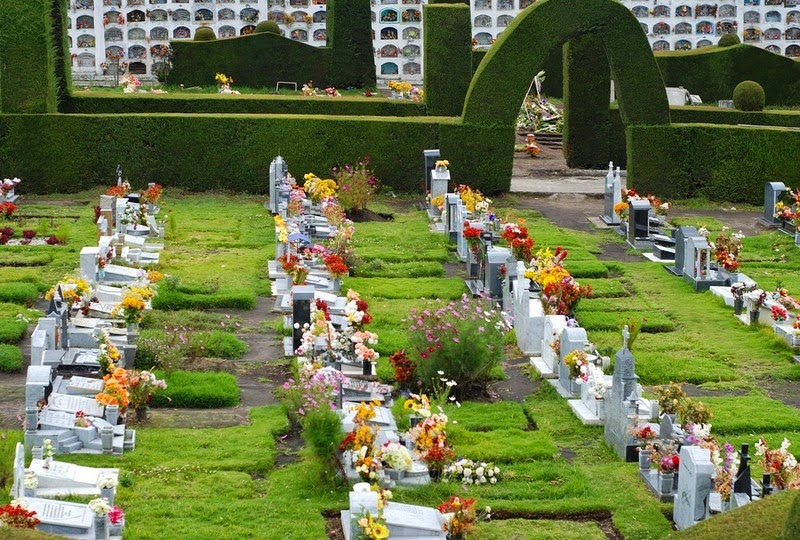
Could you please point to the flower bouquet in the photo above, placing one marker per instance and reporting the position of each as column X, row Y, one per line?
column 142, row 386
column 461, row 516
column 438, row 456
column 395, row 456
column 578, row 364
column 727, row 248
column 643, row 434
column 780, row 464
column 467, row 472
column 17, row 516
column 115, row 390
column 371, row 527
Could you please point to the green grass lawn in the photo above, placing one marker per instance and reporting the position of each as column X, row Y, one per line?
column 225, row 483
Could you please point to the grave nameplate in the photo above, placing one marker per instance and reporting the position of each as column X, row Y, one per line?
column 61, row 513
column 85, row 385
column 302, row 295
column 694, row 486
column 57, row 419
column 406, row 520
column 69, row 403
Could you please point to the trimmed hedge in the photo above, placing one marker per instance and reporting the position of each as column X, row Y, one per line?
column 482, row 156
column 586, row 94
column 257, row 60
column 29, row 83
column 500, row 85
column 205, row 33
column 718, row 162
column 173, row 300
column 220, row 104
column 447, row 57
column 10, row 359
column 713, row 72
column 352, row 57
column 792, row 529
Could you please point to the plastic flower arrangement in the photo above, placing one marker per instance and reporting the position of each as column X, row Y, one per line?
column 395, row 456
column 578, row 364
column 727, row 248
column 99, row 506
column 152, row 194
column 367, row 464
column 460, row 516
column 106, row 482
column 418, row 404
column 296, row 197
column 779, row 313
column 779, row 463
column 469, row 196
column 141, row 387
column 516, row 236
column 362, row 351
column 438, row 455
column 757, row 298
column 31, row 481
column 120, row 190
column 669, row 464
column 319, row 189
column 356, row 311
column 560, row 292
column 643, row 434
column 81, row 420
column 438, row 202
column 473, row 237
column 17, row 516
column 131, row 306
column 223, row 80
column 371, row 527
column 332, row 92
column 621, row 209
column 469, row 472
column 781, row 296
column 116, row 515
column 115, row 390
column 7, row 209
column 336, row 266
column 726, row 468
column 8, row 184
column 72, row 290
column 108, row 354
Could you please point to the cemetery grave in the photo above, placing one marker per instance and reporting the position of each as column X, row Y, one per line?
column 548, row 468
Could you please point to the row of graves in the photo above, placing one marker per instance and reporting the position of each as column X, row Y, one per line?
column 681, row 464
column 81, row 386
column 336, row 363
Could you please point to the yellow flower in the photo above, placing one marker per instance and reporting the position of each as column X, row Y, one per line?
column 378, row 531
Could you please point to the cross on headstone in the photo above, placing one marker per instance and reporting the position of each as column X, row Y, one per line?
column 741, row 483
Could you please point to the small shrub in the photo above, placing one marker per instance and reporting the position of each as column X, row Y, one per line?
column 220, row 344
column 11, row 331
column 198, row 390
column 10, row 359
column 749, row 96
column 204, row 33
column 172, row 224
column 322, row 428
column 268, row 27
column 729, row 40
column 18, row 293
column 357, row 184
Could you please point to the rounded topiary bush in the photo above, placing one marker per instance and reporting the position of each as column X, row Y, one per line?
column 749, row 96
column 268, row 27
column 204, row 33
column 729, row 40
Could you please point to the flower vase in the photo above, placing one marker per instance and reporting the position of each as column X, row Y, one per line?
column 112, row 414
column 47, row 462
column 366, row 367
column 107, row 494
column 133, row 328
column 754, row 313
column 600, row 406
column 738, row 306
column 413, row 420
column 666, row 481
column 435, row 474
column 726, row 505
column 101, row 527
column 101, row 274
column 142, row 414
column 644, row 459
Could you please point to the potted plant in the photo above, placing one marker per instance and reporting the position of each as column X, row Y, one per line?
column 755, row 300
column 668, row 466
column 643, row 435
column 738, row 290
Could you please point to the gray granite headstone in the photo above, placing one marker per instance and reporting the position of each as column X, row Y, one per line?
column 37, row 384
column 430, row 157
column 772, row 194
column 680, row 234
column 277, row 171
column 694, row 486
column 618, row 408
column 439, row 181
column 496, row 257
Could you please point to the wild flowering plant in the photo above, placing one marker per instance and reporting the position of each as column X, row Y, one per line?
column 142, row 385
column 463, row 339
column 669, row 397
column 357, row 184
column 403, row 367
column 313, row 388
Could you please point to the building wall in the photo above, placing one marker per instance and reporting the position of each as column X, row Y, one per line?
column 100, row 29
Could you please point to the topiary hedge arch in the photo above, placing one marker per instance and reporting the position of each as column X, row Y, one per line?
column 500, row 83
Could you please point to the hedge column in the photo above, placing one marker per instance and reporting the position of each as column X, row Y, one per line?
column 448, row 57
column 28, row 82
column 350, row 36
column 587, row 83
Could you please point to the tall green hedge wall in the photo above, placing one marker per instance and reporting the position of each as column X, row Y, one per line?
column 553, row 68
column 504, row 76
column 586, row 95
column 349, row 26
column 256, row 104
column 447, row 57
column 256, row 60
column 28, row 82
column 62, row 61
column 719, row 162
column 201, row 152
column 713, row 72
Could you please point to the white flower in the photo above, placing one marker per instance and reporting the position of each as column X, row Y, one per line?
column 467, row 472
column 479, row 471
column 785, row 445
column 496, row 470
column 99, row 506
column 451, row 383
column 493, row 480
column 761, row 447
column 440, row 372
column 106, row 482
column 790, row 462
column 31, row 482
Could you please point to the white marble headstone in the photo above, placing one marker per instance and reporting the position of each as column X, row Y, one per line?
column 694, row 486
column 69, row 403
